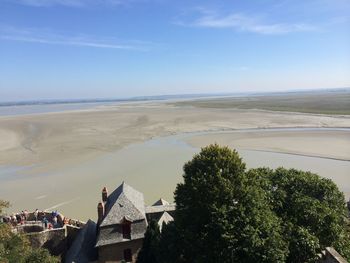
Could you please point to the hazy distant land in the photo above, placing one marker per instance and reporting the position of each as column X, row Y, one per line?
column 55, row 160
column 318, row 102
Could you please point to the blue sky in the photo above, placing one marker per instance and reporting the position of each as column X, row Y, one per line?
column 55, row 49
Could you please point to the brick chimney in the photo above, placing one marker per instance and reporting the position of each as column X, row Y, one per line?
column 104, row 194
column 100, row 212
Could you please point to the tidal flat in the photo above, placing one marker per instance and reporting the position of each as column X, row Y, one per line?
column 62, row 160
column 326, row 102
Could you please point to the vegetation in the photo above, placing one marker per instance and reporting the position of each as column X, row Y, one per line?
column 16, row 248
column 149, row 252
column 3, row 205
column 312, row 210
column 228, row 214
column 335, row 102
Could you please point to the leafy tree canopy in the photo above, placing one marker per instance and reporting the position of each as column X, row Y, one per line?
column 222, row 216
column 312, row 209
column 226, row 213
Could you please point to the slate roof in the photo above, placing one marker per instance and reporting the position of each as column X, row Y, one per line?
column 161, row 201
column 160, row 208
column 83, row 248
column 124, row 202
column 165, row 218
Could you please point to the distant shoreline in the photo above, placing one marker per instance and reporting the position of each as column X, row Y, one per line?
column 326, row 103
column 167, row 97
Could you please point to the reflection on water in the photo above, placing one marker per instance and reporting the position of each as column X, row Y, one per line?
column 153, row 167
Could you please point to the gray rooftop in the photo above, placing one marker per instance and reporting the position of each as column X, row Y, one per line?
column 83, row 248
column 160, row 208
column 165, row 218
column 124, row 202
column 161, row 201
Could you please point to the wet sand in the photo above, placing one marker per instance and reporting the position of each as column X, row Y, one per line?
column 69, row 156
column 328, row 144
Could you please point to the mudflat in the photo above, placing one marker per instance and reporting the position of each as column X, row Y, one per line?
column 64, row 138
column 321, row 102
column 62, row 160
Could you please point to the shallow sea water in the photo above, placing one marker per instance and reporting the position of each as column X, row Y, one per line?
column 153, row 167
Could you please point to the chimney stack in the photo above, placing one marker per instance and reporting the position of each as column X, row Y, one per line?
column 100, row 212
column 104, row 194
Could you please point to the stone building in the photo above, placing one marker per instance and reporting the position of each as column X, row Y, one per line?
column 122, row 223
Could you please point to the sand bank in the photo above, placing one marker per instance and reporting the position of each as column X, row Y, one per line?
column 59, row 139
column 71, row 155
column 332, row 144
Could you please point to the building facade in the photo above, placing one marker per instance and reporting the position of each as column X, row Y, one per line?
column 122, row 223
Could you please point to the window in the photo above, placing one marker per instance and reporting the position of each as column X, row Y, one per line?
column 126, row 228
column 127, row 255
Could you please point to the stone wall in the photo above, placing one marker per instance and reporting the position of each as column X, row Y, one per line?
column 115, row 253
column 57, row 240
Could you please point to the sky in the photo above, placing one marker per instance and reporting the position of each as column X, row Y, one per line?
column 70, row 49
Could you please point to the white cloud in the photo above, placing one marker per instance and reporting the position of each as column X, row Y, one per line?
column 45, row 37
column 243, row 22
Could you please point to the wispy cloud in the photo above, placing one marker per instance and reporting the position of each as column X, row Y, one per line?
column 74, row 3
column 45, row 37
column 245, row 23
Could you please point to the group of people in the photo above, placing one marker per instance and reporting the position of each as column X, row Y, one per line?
column 16, row 218
column 49, row 220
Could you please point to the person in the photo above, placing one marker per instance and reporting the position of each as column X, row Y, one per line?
column 18, row 218
column 45, row 221
column 25, row 215
column 36, row 213
column 13, row 219
column 54, row 221
column 54, row 213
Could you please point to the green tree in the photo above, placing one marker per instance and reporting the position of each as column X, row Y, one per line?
column 3, row 205
column 40, row 255
column 15, row 248
column 149, row 252
column 222, row 215
column 312, row 210
column 169, row 244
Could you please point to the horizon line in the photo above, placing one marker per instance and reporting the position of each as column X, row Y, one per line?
column 155, row 97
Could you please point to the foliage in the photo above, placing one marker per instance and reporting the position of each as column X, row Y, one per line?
column 222, row 216
column 3, row 205
column 312, row 209
column 149, row 251
column 40, row 255
column 15, row 248
column 169, row 244
column 228, row 214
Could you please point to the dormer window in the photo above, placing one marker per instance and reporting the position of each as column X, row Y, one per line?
column 126, row 229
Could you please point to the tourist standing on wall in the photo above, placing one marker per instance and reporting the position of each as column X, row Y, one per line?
column 36, row 214
column 45, row 221
column 26, row 215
